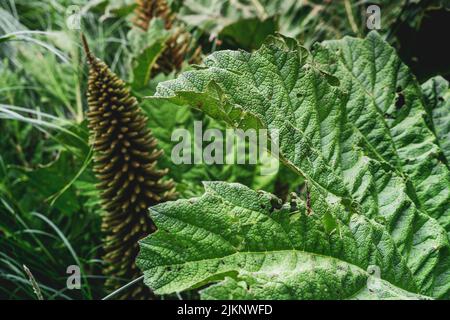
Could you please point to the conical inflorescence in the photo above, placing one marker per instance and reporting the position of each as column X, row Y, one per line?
column 146, row 10
column 178, row 46
column 125, row 159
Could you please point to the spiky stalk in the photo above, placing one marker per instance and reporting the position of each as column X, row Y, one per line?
column 177, row 46
column 177, row 49
column 125, row 159
column 146, row 10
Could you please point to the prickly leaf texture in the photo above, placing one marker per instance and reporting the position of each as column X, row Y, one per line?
column 386, row 106
column 125, row 155
column 264, row 253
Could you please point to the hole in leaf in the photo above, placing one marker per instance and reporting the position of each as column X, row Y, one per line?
column 400, row 101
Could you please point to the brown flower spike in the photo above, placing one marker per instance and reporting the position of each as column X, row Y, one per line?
column 146, row 10
column 125, row 157
column 177, row 46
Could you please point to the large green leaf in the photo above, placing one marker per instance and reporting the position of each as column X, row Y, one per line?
column 282, row 89
column 437, row 96
column 264, row 250
column 385, row 105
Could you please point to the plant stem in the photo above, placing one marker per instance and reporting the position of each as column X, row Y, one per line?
column 33, row 283
column 351, row 19
column 129, row 284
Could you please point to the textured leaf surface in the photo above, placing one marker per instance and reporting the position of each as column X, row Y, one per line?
column 385, row 104
column 278, row 87
column 437, row 96
column 265, row 251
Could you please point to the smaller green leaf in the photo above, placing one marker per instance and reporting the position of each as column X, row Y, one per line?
column 249, row 33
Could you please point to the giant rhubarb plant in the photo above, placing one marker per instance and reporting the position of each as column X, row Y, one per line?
column 125, row 155
column 353, row 121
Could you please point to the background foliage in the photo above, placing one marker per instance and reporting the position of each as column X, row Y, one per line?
column 49, row 207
